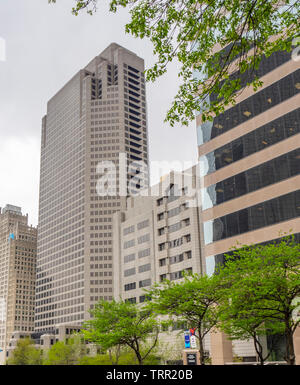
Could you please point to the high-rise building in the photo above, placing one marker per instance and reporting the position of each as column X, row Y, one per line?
column 156, row 238
column 18, row 244
column 98, row 114
column 250, row 159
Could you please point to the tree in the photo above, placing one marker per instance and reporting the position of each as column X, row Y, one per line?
column 240, row 321
column 263, row 287
column 66, row 353
column 213, row 38
column 192, row 300
column 26, row 353
column 125, row 324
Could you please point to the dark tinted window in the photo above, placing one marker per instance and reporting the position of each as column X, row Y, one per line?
column 266, row 174
column 259, row 139
column 263, row 214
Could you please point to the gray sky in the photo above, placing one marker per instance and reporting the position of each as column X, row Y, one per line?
column 45, row 46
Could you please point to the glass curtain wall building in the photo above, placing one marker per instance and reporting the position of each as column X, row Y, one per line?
column 250, row 164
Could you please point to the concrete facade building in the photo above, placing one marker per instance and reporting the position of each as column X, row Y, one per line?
column 43, row 340
column 98, row 115
column 18, row 247
column 156, row 238
column 250, row 161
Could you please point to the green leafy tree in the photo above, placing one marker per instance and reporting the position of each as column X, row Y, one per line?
column 125, row 324
column 213, row 38
column 240, row 320
column 262, row 286
column 67, row 352
column 26, row 353
column 192, row 300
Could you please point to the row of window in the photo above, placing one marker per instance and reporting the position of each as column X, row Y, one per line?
column 257, row 140
column 267, row 213
column 175, row 227
column 213, row 261
column 171, row 213
column 176, row 275
column 140, row 226
column 141, row 254
column 176, row 258
column 261, row 101
column 267, row 65
column 175, row 242
column 141, row 269
column 270, row 172
column 132, row 285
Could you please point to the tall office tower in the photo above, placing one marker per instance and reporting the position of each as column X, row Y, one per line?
column 18, row 244
column 250, row 159
column 98, row 114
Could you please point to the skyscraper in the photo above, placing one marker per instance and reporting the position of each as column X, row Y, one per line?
column 250, row 159
column 17, row 273
column 98, row 114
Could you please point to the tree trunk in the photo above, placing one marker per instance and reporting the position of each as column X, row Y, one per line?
column 259, row 350
column 201, row 349
column 139, row 358
column 290, row 352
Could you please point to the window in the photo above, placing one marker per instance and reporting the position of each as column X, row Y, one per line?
column 128, row 244
column 144, row 298
column 160, row 216
column 162, row 277
column 189, row 254
column 259, row 139
column 129, row 272
column 176, row 275
column 255, row 217
column 187, row 238
column 176, row 259
column 129, row 258
column 162, row 262
column 144, row 253
column 143, row 224
column 131, row 300
column 144, row 268
column 160, row 201
column 130, row 286
column 253, row 179
column 260, row 102
column 128, row 230
column 161, row 231
column 144, row 238
column 174, row 227
column 145, row 283
column 173, row 212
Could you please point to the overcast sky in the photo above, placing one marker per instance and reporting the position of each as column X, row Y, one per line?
column 45, row 46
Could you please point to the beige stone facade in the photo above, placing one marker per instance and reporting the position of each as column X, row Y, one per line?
column 18, row 247
column 98, row 115
column 157, row 237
